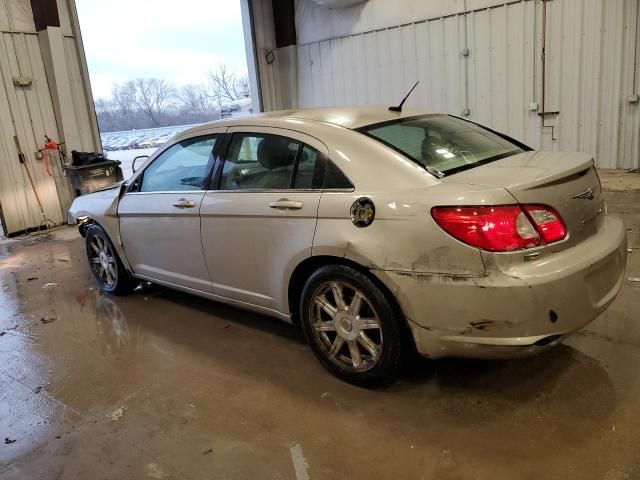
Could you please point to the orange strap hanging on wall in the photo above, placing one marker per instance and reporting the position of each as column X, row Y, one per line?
column 50, row 145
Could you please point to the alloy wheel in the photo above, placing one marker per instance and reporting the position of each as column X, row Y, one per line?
column 346, row 326
column 103, row 260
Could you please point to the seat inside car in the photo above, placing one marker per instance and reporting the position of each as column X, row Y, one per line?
column 275, row 155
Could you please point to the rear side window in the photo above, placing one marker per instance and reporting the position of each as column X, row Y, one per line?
column 310, row 168
column 334, row 178
column 259, row 161
column 316, row 171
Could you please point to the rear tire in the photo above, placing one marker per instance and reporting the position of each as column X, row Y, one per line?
column 106, row 266
column 352, row 327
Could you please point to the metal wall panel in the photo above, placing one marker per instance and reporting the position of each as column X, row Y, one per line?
column 30, row 112
column 589, row 72
column 629, row 130
column 65, row 14
column 80, row 106
column 16, row 16
column 315, row 22
column 27, row 113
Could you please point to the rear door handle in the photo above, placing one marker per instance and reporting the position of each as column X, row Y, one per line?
column 184, row 203
column 286, row 204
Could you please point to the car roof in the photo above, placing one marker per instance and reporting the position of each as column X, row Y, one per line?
column 347, row 117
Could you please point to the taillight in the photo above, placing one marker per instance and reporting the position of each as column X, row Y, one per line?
column 501, row 228
column 548, row 222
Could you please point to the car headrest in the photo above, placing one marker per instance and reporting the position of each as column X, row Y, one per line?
column 273, row 152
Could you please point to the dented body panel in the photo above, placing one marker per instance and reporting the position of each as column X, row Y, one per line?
column 510, row 309
column 101, row 207
column 404, row 236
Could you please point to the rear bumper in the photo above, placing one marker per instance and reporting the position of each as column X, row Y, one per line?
column 516, row 312
column 434, row 346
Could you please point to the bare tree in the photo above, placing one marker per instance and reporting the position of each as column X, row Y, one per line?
column 153, row 102
column 197, row 99
column 226, row 86
column 124, row 95
column 107, row 113
column 153, row 97
column 104, row 105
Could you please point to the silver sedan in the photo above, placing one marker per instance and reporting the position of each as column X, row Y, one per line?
column 377, row 232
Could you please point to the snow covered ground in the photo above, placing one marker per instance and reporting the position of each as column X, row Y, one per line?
column 127, row 156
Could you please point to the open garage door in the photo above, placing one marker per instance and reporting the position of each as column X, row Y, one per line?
column 168, row 68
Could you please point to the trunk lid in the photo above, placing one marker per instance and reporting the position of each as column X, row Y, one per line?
column 567, row 182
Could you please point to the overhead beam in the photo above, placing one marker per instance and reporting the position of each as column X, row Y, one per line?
column 45, row 14
column 284, row 22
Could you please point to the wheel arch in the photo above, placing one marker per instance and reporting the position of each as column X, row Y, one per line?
column 309, row 265
column 85, row 223
column 88, row 221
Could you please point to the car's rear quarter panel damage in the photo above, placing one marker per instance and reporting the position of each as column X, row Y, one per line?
column 403, row 236
column 451, row 290
column 404, row 247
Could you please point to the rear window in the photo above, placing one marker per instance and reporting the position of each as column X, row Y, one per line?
column 444, row 143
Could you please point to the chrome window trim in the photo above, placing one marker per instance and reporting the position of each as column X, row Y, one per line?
column 165, row 192
column 262, row 190
column 284, row 190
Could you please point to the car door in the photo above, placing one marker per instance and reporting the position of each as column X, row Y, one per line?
column 160, row 214
column 261, row 218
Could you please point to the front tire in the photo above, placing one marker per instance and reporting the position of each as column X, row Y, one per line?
column 352, row 327
column 105, row 264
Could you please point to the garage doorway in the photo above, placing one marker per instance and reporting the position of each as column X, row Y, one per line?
column 158, row 70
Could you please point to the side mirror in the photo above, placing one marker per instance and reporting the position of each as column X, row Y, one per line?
column 135, row 160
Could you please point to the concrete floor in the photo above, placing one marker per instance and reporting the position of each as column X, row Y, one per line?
column 165, row 385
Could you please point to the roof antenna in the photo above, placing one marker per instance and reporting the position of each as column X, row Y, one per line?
column 399, row 107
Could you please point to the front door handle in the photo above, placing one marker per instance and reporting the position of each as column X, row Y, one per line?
column 286, row 204
column 184, row 203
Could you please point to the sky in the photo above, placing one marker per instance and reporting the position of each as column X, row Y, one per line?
column 175, row 40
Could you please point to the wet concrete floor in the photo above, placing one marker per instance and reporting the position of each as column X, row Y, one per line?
column 160, row 384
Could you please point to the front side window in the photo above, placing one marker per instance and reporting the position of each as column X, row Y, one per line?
column 259, row 161
column 181, row 167
column 443, row 142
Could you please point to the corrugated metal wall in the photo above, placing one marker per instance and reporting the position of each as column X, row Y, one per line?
column 87, row 135
column 590, row 70
column 28, row 112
